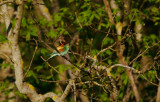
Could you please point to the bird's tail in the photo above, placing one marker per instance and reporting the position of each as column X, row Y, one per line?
column 52, row 55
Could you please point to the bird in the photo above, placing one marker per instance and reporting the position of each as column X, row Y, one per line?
column 62, row 50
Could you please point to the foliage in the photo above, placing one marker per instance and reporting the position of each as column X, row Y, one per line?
column 89, row 19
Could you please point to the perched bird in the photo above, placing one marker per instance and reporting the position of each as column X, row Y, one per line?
column 62, row 50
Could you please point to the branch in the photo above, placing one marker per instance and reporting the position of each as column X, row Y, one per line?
column 110, row 47
column 121, row 65
column 65, row 93
column 127, row 6
column 158, row 93
column 75, row 93
column 112, row 80
column 24, row 88
column 127, row 94
column 31, row 59
column 119, row 25
column 108, row 10
column 5, row 2
column 51, row 95
column 115, row 91
column 122, row 61
column 103, row 50
column 94, row 82
column 114, row 6
column 43, row 10
column 133, row 69
column 143, row 52
column 83, row 96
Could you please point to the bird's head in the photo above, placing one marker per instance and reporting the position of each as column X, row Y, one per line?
column 62, row 47
column 65, row 44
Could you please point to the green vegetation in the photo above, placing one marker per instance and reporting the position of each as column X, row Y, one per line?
column 87, row 27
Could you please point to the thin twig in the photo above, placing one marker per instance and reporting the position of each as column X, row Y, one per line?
column 51, row 66
column 58, row 81
column 143, row 52
column 75, row 93
column 110, row 47
column 131, row 68
column 104, row 40
column 31, row 59
column 78, row 20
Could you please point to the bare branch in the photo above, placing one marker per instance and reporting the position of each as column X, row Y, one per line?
column 127, row 95
column 108, row 10
column 144, row 52
column 51, row 95
column 5, row 2
column 32, row 58
column 75, row 93
column 158, row 94
column 122, row 61
column 65, row 93
column 115, row 91
column 115, row 7
column 24, row 88
column 43, row 10
column 110, row 47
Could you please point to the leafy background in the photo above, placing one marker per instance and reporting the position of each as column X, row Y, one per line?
column 89, row 20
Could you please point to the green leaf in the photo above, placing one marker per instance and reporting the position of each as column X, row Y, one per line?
column 155, row 10
column 151, row 75
column 108, row 52
column 62, row 31
column 108, row 41
column 32, row 74
column 48, row 77
column 52, row 34
column 34, row 31
column 84, row 86
column 2, row 38
column 121, row 95
column 125, row 80
column 86, row 69
column 91, row 18
column 109, row 61
column 5, row 65
column 43, row 21
column 62, row 68
column 17, row 93
column 38, row 68
column 97, row 16
column 104, row 97
column 88, row 42
column 94, row 52
column 70, row 1
column 29, row 1
column 44, row 51
column 28, row 36
column 24, row 22
column 57, row 18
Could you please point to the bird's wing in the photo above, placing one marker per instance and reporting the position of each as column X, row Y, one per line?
column 66, row 49
column 60, row 48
